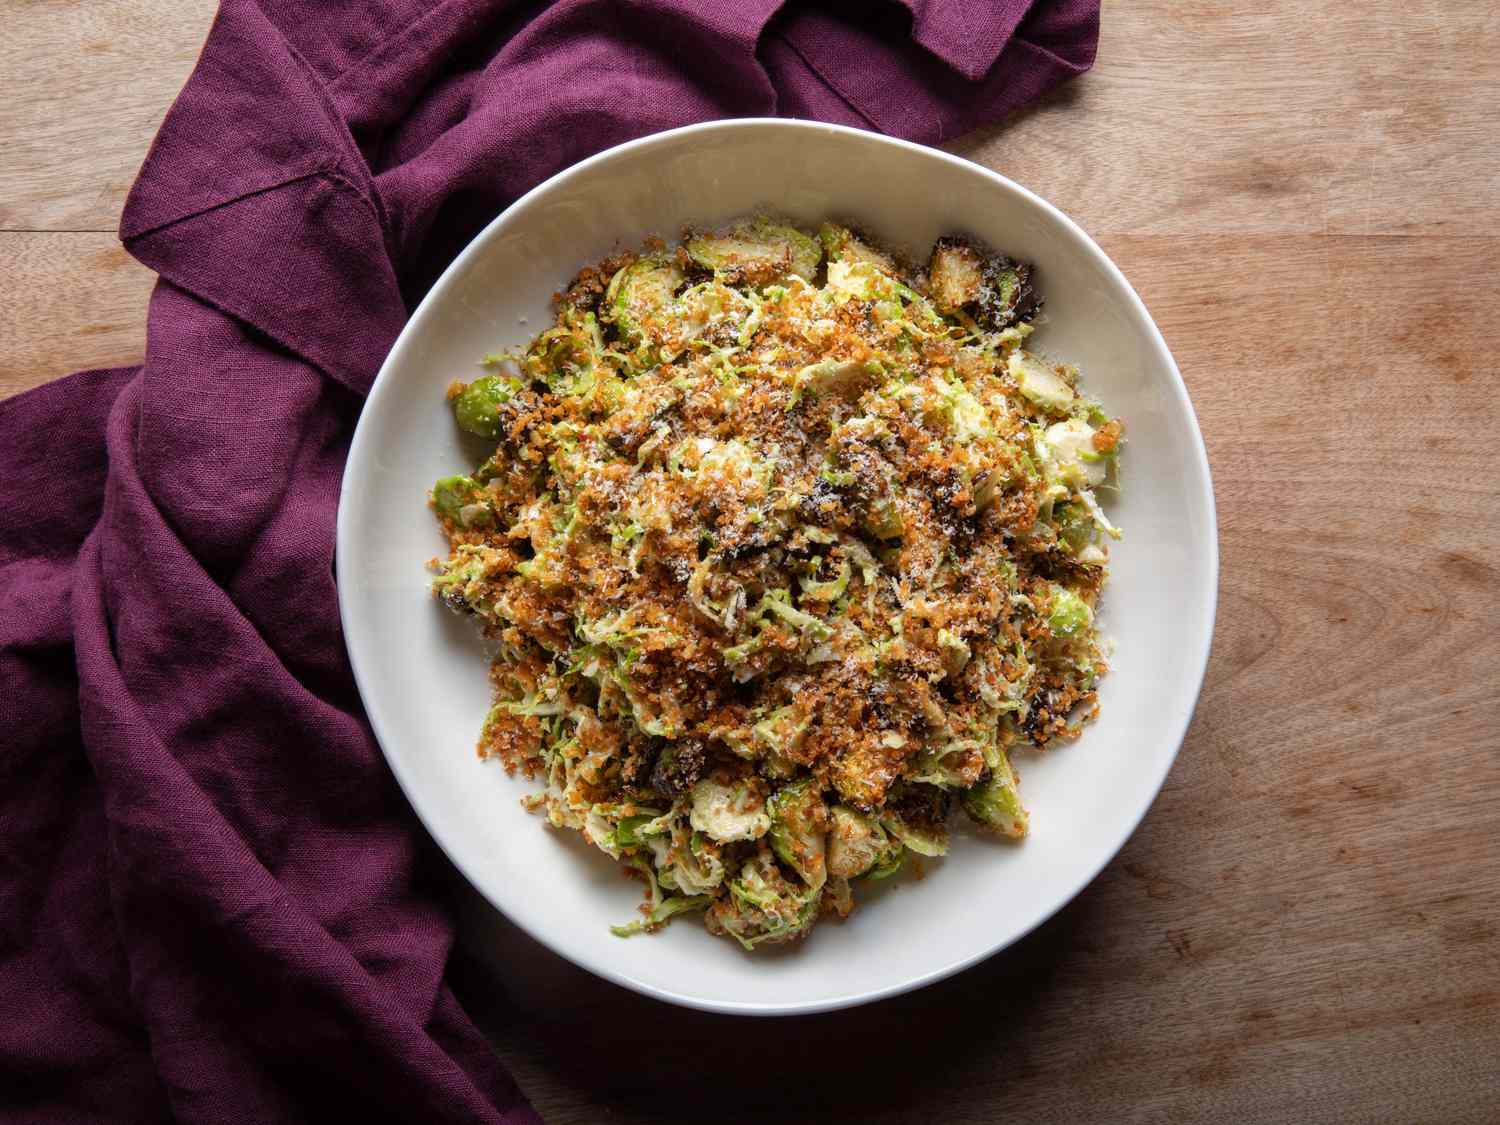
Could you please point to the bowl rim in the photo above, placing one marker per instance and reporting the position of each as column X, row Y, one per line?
column 344, row 536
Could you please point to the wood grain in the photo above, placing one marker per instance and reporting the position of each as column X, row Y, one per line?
column 82, row 89
column 71, row 301
column 1307, row 116
column 1307, row 925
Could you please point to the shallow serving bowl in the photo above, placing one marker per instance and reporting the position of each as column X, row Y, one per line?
column 422, row 670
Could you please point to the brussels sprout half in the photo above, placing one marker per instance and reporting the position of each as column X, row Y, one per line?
column 955, row 274
column 1039, row 382
column 757, row 251
column 730, row 811
column 640, row 295
column 950, row 765
column 1071, row 455
column 476, row 407
column 858, row 845
column 462, row 500
column 842, row 245
column 995, row 802
column 799, row 830
column 966, row 275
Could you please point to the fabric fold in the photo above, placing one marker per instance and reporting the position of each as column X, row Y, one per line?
column 219, row 907
column 968, row 37
column 955, row 84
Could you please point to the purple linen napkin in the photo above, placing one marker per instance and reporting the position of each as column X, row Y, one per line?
column 216, row 905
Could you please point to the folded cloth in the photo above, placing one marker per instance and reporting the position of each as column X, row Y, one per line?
column 217, row 906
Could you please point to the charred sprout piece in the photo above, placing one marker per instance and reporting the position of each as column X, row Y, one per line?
column 757, row 251
column 964, row 275
column 678, row 767
column 799, row 830
column 476, row 407
column 917, row 815
column 640, row 296
column 1008, row 295
column 996, row 801
column 857, row 845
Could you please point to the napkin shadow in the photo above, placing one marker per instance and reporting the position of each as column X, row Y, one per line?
column 586, row 1050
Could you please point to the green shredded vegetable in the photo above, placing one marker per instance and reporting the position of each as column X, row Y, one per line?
column 782, row 546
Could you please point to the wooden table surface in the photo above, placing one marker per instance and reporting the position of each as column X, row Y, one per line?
column 1307, row 925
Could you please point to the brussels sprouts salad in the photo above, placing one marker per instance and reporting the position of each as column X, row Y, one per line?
column 783, row 545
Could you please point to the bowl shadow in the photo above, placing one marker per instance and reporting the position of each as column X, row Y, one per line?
column 584, row 1049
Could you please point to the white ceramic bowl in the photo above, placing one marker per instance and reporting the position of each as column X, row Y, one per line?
column 422, row 670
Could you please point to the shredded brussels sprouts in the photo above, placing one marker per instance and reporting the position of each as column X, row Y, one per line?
column 783, row 545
